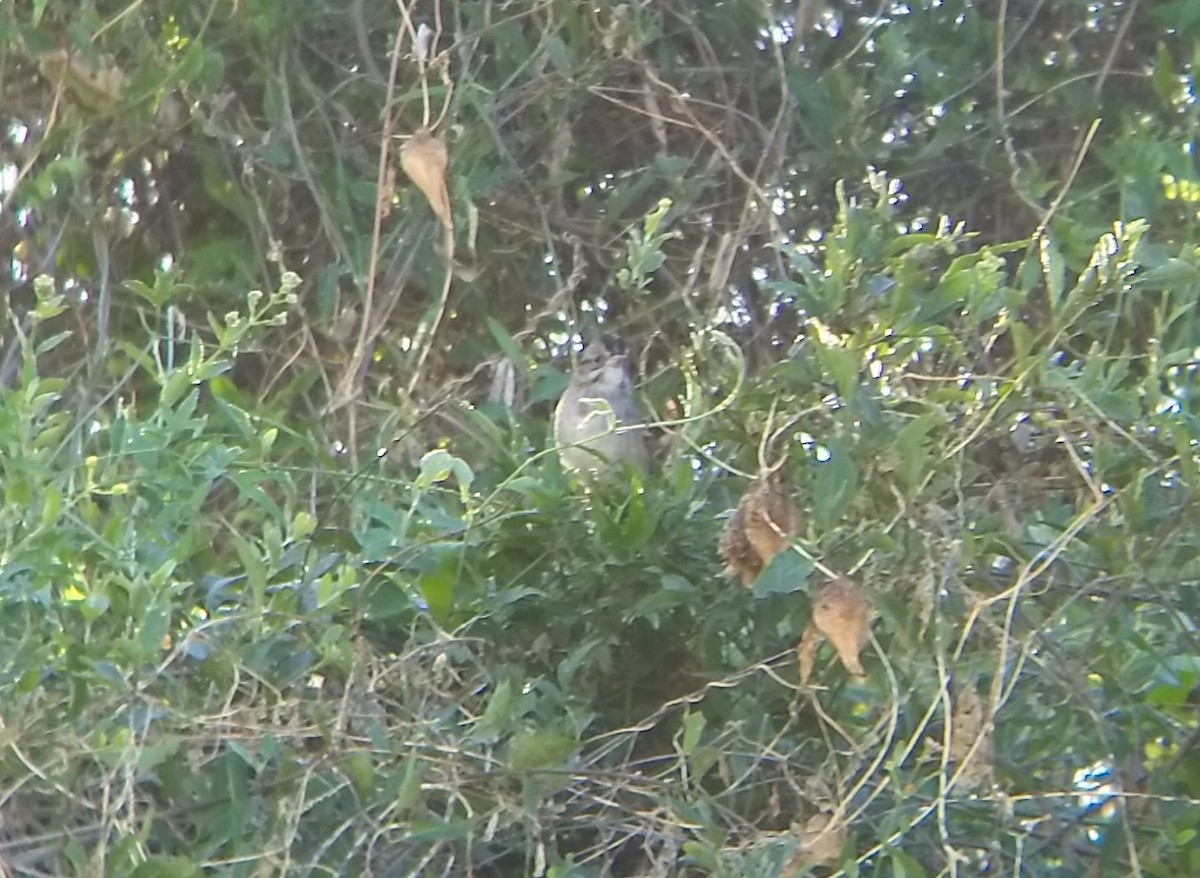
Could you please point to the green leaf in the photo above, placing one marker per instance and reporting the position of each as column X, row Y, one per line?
column 152, row 755
column 177, row 384
column 703, row 760
column 787, row 573
column 912, row 449
column 191, row 63
column 1179, row 15
column 51, row 506
column 52, row 430
column 360, row 770
column 231, row 781
column 167, row 867
column 51, row 342
column 1173, row 274
column 94, row 605
column 693, row 728
column 303, row 525
column 1164, row 77
column 386, row 603
column 835, row 487
column 439, row 464
column 704, row 855
column 535, row 749
column 152, row 631
column 904, row 866
column 437, row 589
column 428, row 830
column 498, row 714
column 507, row 344
column 409, row 795
column 253, row 566
column 1054, row 270
column 842, row 366
column 50, row 303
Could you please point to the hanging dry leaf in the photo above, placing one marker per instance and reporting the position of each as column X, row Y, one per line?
column 424, row 159
column 821, row 843
column 968, row 725
column 840, row 613
column 769, row 518
column 758, row 529
column 806, row 651
column 740, row 558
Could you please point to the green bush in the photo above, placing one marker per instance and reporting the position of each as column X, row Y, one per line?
column 292, row 581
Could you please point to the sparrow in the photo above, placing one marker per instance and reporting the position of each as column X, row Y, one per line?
column 598, row 402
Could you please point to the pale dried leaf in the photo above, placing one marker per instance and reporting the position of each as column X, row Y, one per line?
column 740, row 558
column 967, row 726
column 423, row 157
column 424, row 43
column 559, row 153
column 387, row 193
column 99, row 89
column 344, row 324
column 770, row 518
column 821, row 843
column 504, row 383
column 923, row 597
column 840, row 613
column 806, row 652
column 758, row 530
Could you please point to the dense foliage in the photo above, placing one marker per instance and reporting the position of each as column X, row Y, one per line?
column 292, row 581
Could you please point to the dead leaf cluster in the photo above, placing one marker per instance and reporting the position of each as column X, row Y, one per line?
column 758, row 529
column 839, row 614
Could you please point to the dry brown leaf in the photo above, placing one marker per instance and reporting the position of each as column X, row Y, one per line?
column 821, row 843
column 840, row 613
column 740, row 558
column 758, row 530
column 99, row 89
column 770, row 518
column 806, row 651
column 968, row 725
column 423, row 157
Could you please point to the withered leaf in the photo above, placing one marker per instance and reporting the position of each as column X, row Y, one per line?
column 98, row 89
column 806, row 651
column 423, row 157
column 740, row 558
column 840, row 613
column 758, row 529
column 821, row 843
column 968, row 725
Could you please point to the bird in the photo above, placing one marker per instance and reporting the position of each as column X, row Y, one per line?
column 596, row 405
